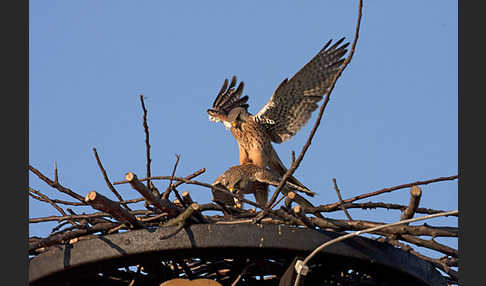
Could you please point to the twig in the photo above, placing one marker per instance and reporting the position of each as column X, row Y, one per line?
column 170, row 187
column 85, row 216
column 55, row 185
column 415, row 194
column 387, row 190
column 288, row 200
column 46, row 198
column 180, row 221
column 296, row 164
column 57, row 227
column 299, row 212
column 107, row 180
column 368, row 230
column 184, row 216
column 439, row 263
column 152, row 218
column 56, row 176
column 57, row 201
column 370, row 205
column 431, row 244
column 434, row 231
column 147, row 143
column 186, row 198
column 51, row 240
column 192, row 176
column 341, row 199
column 104, row 204
column 161, row 204
column 279, row 200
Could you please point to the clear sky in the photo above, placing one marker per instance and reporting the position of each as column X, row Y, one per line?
column 391, row 119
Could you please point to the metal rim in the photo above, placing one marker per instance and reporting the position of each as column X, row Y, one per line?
column 221, row 238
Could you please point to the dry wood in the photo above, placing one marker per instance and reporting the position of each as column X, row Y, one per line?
column 387, row 190
column 178, row 203
column 183, row 217
column 415, row 194
column 192, row 176
column 104, row 204
column 161, row 204
column 299, row 212
column 46, row 198
column 186, row 198
column 56, row 175
column 57, row 201
column 171, row 187
column 147, row 135
column 341, row 199
column 58, row 238
column 401, row 229
column 107, row 180
column 288, row 200
column 85, row 216
column 56, row 185
column 431, row 244
column 439, row 263
column 371, row 205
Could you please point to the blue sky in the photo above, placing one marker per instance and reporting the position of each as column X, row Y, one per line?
column 392, row 117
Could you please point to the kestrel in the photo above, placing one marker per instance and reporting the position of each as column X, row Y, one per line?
column 289, row 108
column 252, row 179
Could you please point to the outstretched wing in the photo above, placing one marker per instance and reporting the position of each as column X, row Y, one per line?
column 294, row 100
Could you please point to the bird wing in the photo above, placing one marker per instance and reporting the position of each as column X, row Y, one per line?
column 294, row 100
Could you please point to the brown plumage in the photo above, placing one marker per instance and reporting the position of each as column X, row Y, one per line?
column 252, row 179
column 289, row 108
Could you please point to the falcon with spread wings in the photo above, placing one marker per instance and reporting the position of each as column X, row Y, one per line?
column 289, row 108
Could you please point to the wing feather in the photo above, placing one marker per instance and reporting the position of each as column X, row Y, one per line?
column 294, row 100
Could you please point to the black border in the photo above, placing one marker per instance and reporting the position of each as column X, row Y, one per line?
column 14, row 119
column 471, row 143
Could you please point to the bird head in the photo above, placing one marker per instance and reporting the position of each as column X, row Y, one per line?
column 229, row 107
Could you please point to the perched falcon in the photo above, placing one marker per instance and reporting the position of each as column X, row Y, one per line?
column 289, row 108
column 252, row 179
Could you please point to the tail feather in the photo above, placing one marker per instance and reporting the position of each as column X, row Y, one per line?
column 277, row 166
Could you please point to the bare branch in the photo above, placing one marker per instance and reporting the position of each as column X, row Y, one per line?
column 415, row 194
column 387, row 190
column 171, row 187
column 107, row 180
column 47, row 199
column 161, row 204
column 56, row 175
column 341, row 199
column 56, row 185
column 104, row 204
column 147, row 143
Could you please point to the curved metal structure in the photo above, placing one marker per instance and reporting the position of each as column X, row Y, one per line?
column 225, row 247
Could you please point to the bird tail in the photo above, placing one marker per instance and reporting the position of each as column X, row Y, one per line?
column 277, row 165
